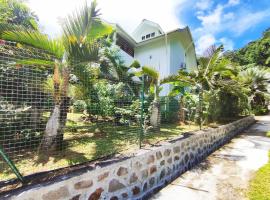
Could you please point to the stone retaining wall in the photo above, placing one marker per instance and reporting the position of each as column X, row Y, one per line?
column 141, row 175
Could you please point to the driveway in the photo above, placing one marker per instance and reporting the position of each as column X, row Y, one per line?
column 225, row 174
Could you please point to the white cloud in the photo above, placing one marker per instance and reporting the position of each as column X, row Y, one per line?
column 248, row 20
column 228, row 16
column 128, row 13
column 233, row 2
column 212, row 21
column 204, row 42
column 204, row 4
column 221, row 19
column 228, row 43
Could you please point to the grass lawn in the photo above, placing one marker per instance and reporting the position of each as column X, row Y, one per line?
column 259, row 188
column 268, row 134
column 85, row 144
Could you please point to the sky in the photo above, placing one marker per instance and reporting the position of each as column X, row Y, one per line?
column 233, row 23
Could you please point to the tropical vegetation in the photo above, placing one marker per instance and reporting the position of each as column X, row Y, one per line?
column 77, row 89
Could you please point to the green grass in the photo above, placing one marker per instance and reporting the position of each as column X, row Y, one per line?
column 259, row 188
column 85, row 144
column 268, row 134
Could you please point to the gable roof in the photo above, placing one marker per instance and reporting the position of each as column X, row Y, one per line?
column 150, row 23
column 132, row 41
column 184, row 30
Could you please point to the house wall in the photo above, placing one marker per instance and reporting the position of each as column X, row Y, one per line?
column 138, row 176
column 146, row 29
column 177, row 55
column 126, row 57
column 154, row 54
column 157, row 55
column 191, row 58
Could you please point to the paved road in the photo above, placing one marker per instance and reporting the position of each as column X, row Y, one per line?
column 225, row 174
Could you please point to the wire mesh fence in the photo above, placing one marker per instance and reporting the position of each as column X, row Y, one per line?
column 53, row 115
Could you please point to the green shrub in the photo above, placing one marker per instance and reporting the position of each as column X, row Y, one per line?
column 169, row 109
column 79, row 106
column 260, row 110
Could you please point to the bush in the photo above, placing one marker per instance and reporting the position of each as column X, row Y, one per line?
column 260, row 110
column 79, row 106
column 169, row 109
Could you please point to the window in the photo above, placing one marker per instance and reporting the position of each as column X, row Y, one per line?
column 160, row 32
column 147, row 36
column 143, row 37
column 153, row 34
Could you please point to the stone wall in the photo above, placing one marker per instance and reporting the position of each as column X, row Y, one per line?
column 139, row 176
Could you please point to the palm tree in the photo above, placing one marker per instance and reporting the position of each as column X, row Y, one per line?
column 210, row 69
column 256, row 82
column 79, row 43
column 152, row 84
column 114, row 69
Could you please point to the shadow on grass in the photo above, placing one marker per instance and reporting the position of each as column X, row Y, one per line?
column 89, row 143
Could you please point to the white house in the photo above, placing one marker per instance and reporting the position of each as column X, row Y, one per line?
column 151, row 46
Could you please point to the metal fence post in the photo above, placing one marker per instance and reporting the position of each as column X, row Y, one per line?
column 142, row 114
column 11, row 165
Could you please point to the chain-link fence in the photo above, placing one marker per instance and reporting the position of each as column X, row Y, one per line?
column 55, row 115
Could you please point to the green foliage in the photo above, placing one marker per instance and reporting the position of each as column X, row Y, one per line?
column 259, row 187
column 169, row 109
column 33, row 39
column 255, row 81
column 17, row 13
column 268, row 134
column 256, row 52
column 129, row 114
column 79, row 106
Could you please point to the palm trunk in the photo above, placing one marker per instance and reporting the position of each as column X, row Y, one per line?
column 54, row 134
column 62, row 122
column 181, row 111
column 51, row 130
column 155, row 111
column 200, row 109
column 64, row 105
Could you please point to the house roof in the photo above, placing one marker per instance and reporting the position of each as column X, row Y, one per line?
column 132, row 41
column 148, row 22
column 185, row 30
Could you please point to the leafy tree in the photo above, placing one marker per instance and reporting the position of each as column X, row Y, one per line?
column 17, row 13
column 114, row 69
column 256, row 52
column 256, row 81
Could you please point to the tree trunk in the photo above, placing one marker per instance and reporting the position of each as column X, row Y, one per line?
column 200, row 109
column 52, row 127
column 62, row 122
column 54, row 132
column 181, row 111
column 155, row 115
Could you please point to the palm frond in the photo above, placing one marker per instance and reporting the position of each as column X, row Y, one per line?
column 149, row 71
column 135, row 64
column 84, row 25
column 35, row 39
column 36, row 62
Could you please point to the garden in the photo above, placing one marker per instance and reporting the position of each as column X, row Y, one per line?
column 72, row 100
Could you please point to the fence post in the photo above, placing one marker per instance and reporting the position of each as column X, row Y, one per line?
column 11, row 165
column 142, row 114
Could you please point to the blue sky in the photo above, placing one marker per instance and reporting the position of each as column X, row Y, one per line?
column 231, row 22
